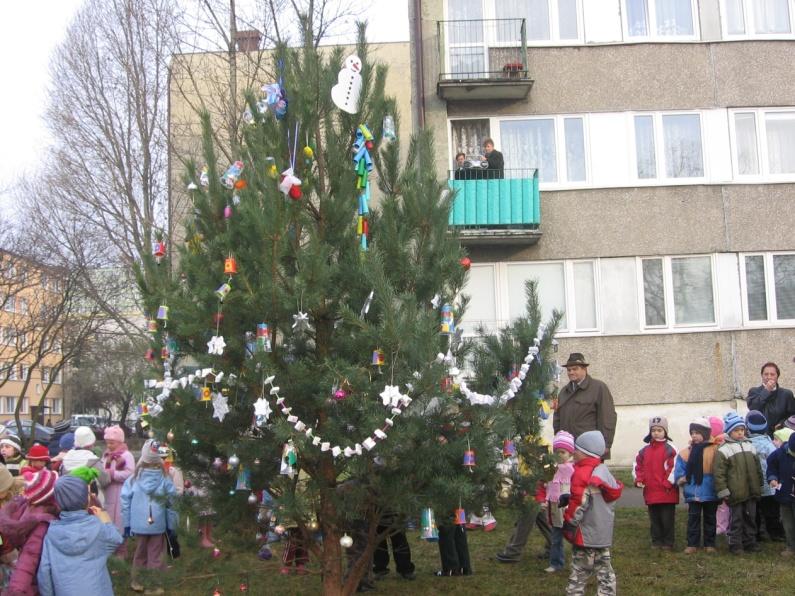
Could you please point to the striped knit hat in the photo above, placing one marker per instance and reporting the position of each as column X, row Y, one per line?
column 39, row 486
column 563, row 440
column 38, row 453
column 731, row 421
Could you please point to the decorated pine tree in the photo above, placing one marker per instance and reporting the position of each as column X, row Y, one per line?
column 309, row 336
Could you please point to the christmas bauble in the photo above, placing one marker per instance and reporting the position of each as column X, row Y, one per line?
column 252, row 499
column 313, row 525
column 216, row 553
column 369, row 145
column 234, row 461
column 308, row 152
column 295, row 192
column 256, row 462
column 170, row 436
column 466, row 263
column 346, row 541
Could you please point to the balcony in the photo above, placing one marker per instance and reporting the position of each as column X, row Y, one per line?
column 483, row 60
column 492, row 207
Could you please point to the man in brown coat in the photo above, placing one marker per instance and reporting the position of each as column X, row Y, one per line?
column 585, row 404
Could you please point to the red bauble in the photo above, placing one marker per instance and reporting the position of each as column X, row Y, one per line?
column 466, row 263
column 295, row 192
column 369, row 145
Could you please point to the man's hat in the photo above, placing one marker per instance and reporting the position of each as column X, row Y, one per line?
column 575, row 359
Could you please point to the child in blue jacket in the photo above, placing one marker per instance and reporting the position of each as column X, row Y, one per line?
column 694, row 472
column 146, row 499
column 77, row 546
column 781, row 478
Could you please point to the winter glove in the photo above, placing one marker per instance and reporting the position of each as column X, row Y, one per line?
column 563, row 501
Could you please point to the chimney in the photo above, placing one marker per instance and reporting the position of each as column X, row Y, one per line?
column 248, row 41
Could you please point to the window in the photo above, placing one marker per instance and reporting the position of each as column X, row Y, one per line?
column 56, row 406
column 545, row 20
column 11, row 404
column 668, row 146
column 57, row 378
column 584, row 295
column 10, row 370
column 757, row 17
column 764, row 142
column 25, row 405
column 649, row 19
column 534, row 143
column 45, row 374
column 678, row 289
column 769, row 291
column 24, row 372
column 468, row 136
column 551, row 288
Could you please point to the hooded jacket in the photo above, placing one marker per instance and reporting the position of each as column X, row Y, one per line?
column 698, row 493
column 75, row 554
column 76, row 458
column 23, row 526
column 588, row 520
column 654, row 468
column 151, row 493
column 738, row 473
column 781, row 467
column 764, row 447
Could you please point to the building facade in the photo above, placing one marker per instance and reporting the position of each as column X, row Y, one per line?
column 663, row 136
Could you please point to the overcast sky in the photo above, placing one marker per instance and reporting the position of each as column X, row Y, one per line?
column 29, row 32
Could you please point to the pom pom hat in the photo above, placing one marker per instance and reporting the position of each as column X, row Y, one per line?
column 563, row 440
column 39, row 486
column 731, row 421
column 756, row 422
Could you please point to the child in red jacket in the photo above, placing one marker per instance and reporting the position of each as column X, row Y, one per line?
column 588, row 519
column 654, row 473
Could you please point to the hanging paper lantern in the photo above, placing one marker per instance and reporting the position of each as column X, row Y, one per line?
column 164, row 353
column 263, row 338
column 151, row 326
column 228, row 212
column 388, row 127
column 448, row 320
column 378, row 357
column 230, row 266
column 232, row 174
column 223, row 291
column 159, row 251
column 508, row 448
column 270, row 168
column 466, row 263
column 460, row 517
column 428, row 529
column 206, row 394
column 162, row 312
column 150, row 355
column 469, row 458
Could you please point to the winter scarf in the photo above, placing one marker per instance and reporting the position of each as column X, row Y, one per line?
column 695, row 463
column 115, row 456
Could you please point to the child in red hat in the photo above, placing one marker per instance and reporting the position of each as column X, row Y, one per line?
column 38, row 458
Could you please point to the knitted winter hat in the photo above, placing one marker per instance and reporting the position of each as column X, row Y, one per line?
column 150, row 453
column 790, row 422
column 756, row 422
column 701, row 426
column 71, row 493
column 563, row 440
column 84, row 437
column 114, row 433
column 39, row 486
column 591, row 443
column 12, row 441
column 660, row 421
column 86, row 474
column 62, row 426
column 38, row 453
column 783, row 434
column 67, row 442
column 716, row 425
column 731, row 421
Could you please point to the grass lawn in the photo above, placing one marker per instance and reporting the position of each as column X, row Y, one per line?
column 640, row 570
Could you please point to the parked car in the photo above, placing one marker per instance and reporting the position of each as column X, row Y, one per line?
column 42, row 433
column 98, row 424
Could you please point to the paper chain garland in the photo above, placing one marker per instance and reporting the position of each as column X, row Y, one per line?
column 533, row 353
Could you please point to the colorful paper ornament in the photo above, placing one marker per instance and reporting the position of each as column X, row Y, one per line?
column 151, row 326
column 289, row 181
column 150, row 355
column 428, row 529
column 508, row 448
column 244, row 480
column 276, row 99
column 204, row 177
column 378, row 358
column 216, row 345
column 232, row 174
column 262, row 411
column 388, row 128
column 206, row 394
column 263, row 338
column 159, row 251
column 223, row 291
column 216, row 555
column 230, row 266
column 346, row 93
column 164, row 353
column 460, row 517
column 220, row 408
column 448, row 320
column 289, row 460
column 270, row 168
column 228, row 212
column 239, row 185
column 162, row 312
column 469, row 458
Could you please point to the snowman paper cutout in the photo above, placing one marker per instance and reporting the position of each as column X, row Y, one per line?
column 345, row 94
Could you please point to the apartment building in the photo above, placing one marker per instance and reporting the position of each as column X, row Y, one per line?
column 24, row 288
column 652, row 143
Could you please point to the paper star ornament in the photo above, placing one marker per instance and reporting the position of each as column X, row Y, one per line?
column 220, row 406
column 216, row 345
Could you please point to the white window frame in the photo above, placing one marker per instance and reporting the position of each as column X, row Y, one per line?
column 659, row 150
column 668, row 292
column 653, row 36
column 748, row 19
column 764, row 174
column 773, row 319
column 570, row 296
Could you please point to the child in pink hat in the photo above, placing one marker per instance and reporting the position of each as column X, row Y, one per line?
column 553, row 497
column 116, row 466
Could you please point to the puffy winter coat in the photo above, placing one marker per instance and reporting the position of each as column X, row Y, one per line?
column 588, row 520
column 738, row 473
column 23, row 526
column 115, row 472
column 764, row 447
column 151, row 493
column 781, row 467
column 75, row 556
column 693, row 492
column 654, row 468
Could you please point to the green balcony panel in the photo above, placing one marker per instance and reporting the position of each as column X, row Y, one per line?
column 511, row 201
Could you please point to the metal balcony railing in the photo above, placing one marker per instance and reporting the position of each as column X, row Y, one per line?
column 484, row 49
column 495, row 198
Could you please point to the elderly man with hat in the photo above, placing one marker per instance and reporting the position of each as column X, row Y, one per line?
column 585, row 404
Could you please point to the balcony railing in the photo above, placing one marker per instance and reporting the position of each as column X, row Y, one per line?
column 483, row 59
column 496, row 206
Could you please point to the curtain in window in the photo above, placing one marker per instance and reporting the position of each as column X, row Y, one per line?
column 637, row 18
column 674, row 17
column 755, row 287
column 771, row 16
column 530, row 144
column 535, row 12
column 468, row 136
column 692, row 284
column 780, row 130
column 575, row 149
column 784, row 279
column 682, row 140
column 653, row 292
column 735, row 20
column 644, row 147
column 747, row 154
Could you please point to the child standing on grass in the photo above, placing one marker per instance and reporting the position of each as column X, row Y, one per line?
column 654, row 473
column 738, row 481
column 554, row 495
column 781, row 478
column 146, row 500
column 768, row 526
column 694, row 472
column 588, row 520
